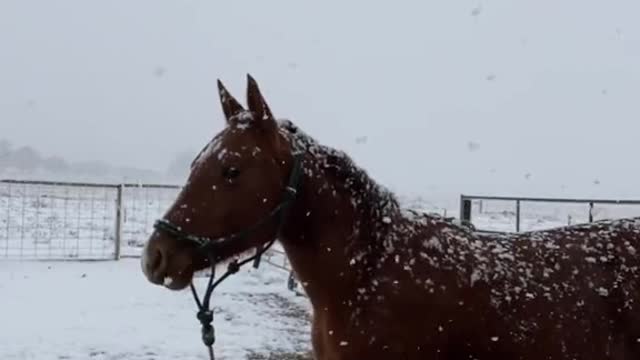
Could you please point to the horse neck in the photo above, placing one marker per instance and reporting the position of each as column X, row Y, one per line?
column 325, row 228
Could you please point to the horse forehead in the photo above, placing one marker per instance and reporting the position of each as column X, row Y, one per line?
column 231, row 143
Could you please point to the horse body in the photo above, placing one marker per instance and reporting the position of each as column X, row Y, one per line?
column 387, row 283
column 397, row 284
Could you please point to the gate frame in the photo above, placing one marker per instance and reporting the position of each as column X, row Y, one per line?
column 466, row 204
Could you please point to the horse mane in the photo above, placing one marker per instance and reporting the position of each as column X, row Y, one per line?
column 374, row 199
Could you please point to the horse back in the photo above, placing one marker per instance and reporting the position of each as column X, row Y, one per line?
column 559, row 292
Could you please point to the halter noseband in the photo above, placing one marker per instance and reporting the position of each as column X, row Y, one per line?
column 205, row 244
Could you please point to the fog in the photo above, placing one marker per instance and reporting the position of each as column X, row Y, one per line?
column 433, row 98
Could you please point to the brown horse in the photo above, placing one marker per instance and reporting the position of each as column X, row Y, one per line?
column 389, row 283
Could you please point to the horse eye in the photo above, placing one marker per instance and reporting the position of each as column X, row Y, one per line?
column 230, row 173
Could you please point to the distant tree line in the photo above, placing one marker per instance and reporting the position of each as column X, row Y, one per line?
column 24, row 161
column 25, row 158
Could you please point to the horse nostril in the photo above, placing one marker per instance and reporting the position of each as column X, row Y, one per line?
column 154, row 264
column 155, row 261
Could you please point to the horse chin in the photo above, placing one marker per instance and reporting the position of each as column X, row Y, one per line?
column 184, row 265
column 179, row 281
column 180, row 274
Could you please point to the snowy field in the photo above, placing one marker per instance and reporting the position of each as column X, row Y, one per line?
column 51, row 309
column 107, row 310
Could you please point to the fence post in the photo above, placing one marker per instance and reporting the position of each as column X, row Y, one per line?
column 465, row 209
column 119, row 219
column 517, row 215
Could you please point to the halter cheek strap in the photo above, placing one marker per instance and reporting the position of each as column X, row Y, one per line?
column 206, row 245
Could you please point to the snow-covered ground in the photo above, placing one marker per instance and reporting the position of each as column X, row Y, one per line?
column 107, row 310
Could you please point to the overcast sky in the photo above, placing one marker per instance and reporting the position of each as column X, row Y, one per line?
column 547, row 88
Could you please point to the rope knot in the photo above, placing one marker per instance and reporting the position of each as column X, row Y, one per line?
column 208, row 333
column 205, row 317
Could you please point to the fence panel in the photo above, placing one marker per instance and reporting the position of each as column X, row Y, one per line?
column 47, row 220
column 515, row 214
column 142, row 205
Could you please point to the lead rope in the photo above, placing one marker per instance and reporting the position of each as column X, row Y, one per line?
column 205, row 314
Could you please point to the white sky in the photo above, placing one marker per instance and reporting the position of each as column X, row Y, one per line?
column 544, row 87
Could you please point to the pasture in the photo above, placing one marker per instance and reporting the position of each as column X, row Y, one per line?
column 53, row 310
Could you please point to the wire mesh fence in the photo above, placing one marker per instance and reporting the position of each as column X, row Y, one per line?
column 141, row 206
column 55, row 220
column 515, row 214
column 41, row 220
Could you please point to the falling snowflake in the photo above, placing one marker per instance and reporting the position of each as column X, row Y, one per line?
column 159, row 71
column 476, row 11
column 472, row 146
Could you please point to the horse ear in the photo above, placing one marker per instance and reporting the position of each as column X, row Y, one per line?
column 256, row 101
column 230, row 106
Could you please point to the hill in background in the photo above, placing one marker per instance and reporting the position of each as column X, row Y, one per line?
column 26, row 163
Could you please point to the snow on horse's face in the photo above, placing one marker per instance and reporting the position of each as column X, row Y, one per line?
column 234, row 183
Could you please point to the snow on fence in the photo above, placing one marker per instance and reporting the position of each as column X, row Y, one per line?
column 515, row 214
column 61, row 220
